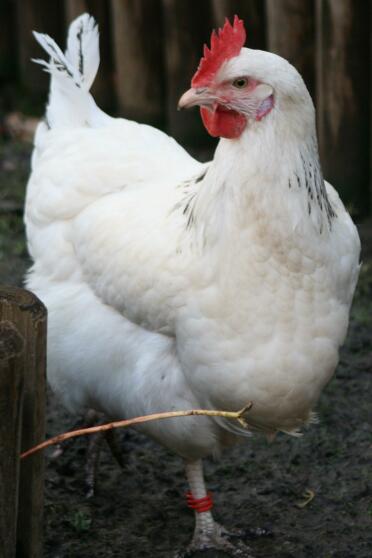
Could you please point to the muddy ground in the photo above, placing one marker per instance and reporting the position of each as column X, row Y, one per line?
column 139, row 511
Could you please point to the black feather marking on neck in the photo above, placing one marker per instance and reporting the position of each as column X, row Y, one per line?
column 188, row 208
column 312, row 175
column 201, row 176
column 79, row 37
column 187, row 204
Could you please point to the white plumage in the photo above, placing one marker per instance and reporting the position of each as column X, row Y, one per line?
column 172, row 284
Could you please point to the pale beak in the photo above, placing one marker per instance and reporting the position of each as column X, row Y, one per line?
column 196, row 96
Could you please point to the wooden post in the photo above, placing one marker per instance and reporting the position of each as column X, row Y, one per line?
column 252, row 12
column 74, row 8
column 8, row 43
column 43, row 16
column 343, row 60
column 11, row 398
column 370, row 114
column 22, row 369
column 291, row 34
column 137, row 36
column 188, row 26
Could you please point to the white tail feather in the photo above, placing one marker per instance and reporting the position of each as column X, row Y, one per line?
column 83, row 48
column 72, row 73
column 58, row 64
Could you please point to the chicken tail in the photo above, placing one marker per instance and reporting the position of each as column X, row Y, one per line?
column 83, row 48
column 72, row 73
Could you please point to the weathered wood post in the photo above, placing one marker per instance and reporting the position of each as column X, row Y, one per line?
column 11, row 397
column 22, row 421
column 291, row 34
column 137, row 44
column 343, row 51
column 38, row 15
column 252, row 12
column 187, row 26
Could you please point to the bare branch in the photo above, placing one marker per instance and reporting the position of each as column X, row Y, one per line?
column 238, row 415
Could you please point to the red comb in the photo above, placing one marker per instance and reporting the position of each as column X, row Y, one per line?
column 225, row 44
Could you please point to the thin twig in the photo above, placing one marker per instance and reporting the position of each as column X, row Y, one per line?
column 238, row 415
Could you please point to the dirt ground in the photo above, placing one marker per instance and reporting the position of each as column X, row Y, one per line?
column 139, row 511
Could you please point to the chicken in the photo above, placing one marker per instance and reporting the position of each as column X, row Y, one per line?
column 172, row 284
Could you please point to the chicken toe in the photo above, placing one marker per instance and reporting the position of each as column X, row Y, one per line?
column 216, row 542
column 209, row 536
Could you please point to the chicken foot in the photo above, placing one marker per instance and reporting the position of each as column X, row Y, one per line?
column 208, row 534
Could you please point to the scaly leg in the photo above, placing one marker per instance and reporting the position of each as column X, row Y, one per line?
column 91, row 463
column 208, row 533
column 112, row 440
column 93, row 455
column 92, row 418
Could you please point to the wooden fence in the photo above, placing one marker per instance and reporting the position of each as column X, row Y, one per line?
column 151, row 48
column 22, row 421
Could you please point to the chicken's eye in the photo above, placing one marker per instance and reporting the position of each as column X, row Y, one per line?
column 240, row 83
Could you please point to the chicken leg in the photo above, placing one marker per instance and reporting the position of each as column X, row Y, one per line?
column 208, row 534
column 94, row 445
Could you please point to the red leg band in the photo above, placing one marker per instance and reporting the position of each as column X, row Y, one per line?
column 200, row 505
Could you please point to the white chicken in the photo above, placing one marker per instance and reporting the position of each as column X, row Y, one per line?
column 172, row 284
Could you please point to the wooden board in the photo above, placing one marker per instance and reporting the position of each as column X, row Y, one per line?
column 252, row 12
column 22, row 311
column 138, row 60
column 8, row 42
column 45, row 17
column 187, row 26
column 12, row 347
column 343, row 63
column 291, row 34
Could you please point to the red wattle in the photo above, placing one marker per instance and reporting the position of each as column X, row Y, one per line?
column 223, row 123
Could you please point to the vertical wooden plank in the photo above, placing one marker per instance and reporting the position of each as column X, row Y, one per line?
column 370, row 115
column 252, row 12
column 30, row 514
column 11, row 397
column 188, row 26
column 8, row 42
column 138, row 61
column 343, row 58
column 39, row 15
column 22, row 308
column 74, row 8
column 103, row 86
column 291, row 34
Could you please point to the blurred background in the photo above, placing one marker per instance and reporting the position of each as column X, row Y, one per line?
column 151, row 48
